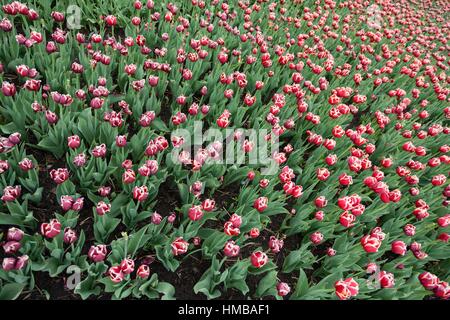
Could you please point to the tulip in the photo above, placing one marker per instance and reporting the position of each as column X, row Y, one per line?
column 129, row 176
column 111, row 20
column 179, row 246
column 409, row 230
column 321, row 202
column 231, row 249
column 66, row 202
column 121, row 141
column 347, row 219
column 14, row 234
column 370, row 243
column 156, row 218
column 230, row 229
column 316, row 237
column 8, row 264
column 73, row 142
column 79, row 160
column 59, row 175
column 442, row 290
column 97, row 253
column 331, row 252
column 11, row 193
column 57, row 16
column 102, row 208
column 140, row 193
column 254, row 233
column 283, row 289
column 386, row 279
column 8, row 89
column 275, row 244
column 127, row 266
column 99, row 151
column 78, row 204
column 345, row 289
column 11, row 247
column 208, row 205
column 143, row 271
column 70, row 236
column 260, row 204
column 51, row 229
column 115, row 274
column 4, row 166
column 398, row 247
column 153, row 80
column 171, row 218
column 21, row 262
column 258, row 259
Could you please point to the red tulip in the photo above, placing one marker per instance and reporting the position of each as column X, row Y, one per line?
column 260, row 204
column 179, row 246
column 398, row 247
column 258, row 259
column 97, row 253
column 143, row 271
column 51, row 229
column 345, row 289
column 231, row 249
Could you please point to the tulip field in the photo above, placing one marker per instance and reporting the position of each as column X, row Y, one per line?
column 225, row 149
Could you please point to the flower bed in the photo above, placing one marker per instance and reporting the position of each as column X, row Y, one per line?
column 225, row 149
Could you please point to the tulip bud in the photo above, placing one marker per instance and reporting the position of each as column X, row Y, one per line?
column 127, row 266
column 102, row 208
column 26, row 164
column 78, row 204
column 104, row 191
column 115, row 274
column 143, row 271
column 66, row 202
column 21, row 262
column 156, row 218
column 258, row 259
column 331, row 252
column 171, row 218
column 97, row 253
column 70, row 236
column 283, row 289
column 51, row 229
column 121, row 141
column 73, row 142
column 261, row 203
column 386, row 279
column 179, row 246
column 14, row 138
column 254, row 233
column 398, row 247
column 14, row 234
column 231, row 249
column 11, row 247
column 8, row 264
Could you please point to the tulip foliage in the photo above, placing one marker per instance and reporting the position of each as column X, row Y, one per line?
column 96, row 100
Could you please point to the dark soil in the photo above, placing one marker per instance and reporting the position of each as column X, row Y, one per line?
column 53, row 287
